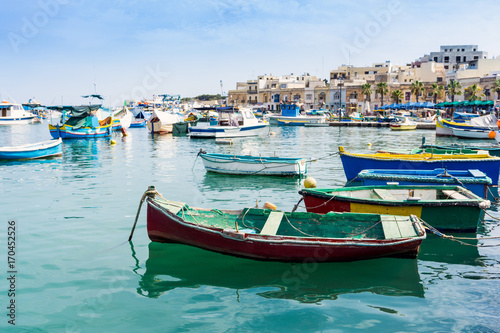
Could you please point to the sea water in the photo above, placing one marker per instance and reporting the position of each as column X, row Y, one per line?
column 75, row 271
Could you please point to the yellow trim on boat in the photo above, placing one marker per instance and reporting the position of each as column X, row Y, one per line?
column 389, row 210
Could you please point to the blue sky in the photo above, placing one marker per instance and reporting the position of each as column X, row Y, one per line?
column 56, row 50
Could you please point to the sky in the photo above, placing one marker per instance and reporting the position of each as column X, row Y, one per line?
column 58, row 50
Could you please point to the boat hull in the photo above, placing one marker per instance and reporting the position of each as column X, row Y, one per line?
column 32, row 151
column 295, row 121
column 163, row 226
column 471, row 134
column 253, row 165
column 211, row 132
column 445, row 216
column 138, row 123
column 402, row 127
column 353, row 165
column 16, row 120
column 67, row 132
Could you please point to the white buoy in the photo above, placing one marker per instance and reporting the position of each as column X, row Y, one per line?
column 310, row 182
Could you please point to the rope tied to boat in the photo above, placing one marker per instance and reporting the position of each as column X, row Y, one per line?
column 427, row 226
column 150, row 192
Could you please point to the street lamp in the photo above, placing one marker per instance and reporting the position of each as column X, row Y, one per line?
column 339, row 85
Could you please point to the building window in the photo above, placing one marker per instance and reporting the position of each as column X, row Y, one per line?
column 445, row 50
column 445, row 67
column 367, row 73
column 439, row 79
column 457, row 58
column 476, row 57
column 436, row 59
column 463, row 50
column 458, row 50
column 446, row 59
column 474, row 50
column 465, row 59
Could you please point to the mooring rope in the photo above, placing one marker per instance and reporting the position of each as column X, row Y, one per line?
column 457, row 239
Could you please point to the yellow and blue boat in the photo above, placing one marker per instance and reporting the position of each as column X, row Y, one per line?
column 354, row 163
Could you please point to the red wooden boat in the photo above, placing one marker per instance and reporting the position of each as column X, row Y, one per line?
column 265, row 234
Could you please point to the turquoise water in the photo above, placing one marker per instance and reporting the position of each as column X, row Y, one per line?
column 76, row 272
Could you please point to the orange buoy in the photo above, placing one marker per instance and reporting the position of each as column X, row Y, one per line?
column 492, row 135
column 269, row 205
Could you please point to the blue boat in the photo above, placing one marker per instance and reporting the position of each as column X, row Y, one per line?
column 474, row 180
column 354, row 163
column 31, row 151
column 82, row 123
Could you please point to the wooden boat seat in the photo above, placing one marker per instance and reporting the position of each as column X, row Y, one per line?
column 397, row 227
column 383, row 194
column 455, row 195
column 272, row 224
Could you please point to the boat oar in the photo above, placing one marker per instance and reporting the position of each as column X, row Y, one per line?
column 150, row 192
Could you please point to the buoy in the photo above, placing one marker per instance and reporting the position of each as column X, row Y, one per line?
column 369, row 144
column 269, row 205
column 272, row 133
column 310, row 182
column 492, row 135
column 498, row 123
column 113, row 142
column 124, row 132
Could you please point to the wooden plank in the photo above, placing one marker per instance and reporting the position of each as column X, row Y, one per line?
column 390, row 226
column 406, row 228
column 476, row 173
column 272, row 224
column 383, row 194
column 455, row 195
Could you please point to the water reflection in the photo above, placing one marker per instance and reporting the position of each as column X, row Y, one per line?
column 447, row 251
column 172, row 266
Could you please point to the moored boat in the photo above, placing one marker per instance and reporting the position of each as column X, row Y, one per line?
column 451, row 208
column 466, row 133
column 445, row 127
column 162, row 122
column 32, row 151
column 253, row 165
column 82, row 124
column 13, row 113
column 473, row 180
column 231, row 123
column 290, row 116
column 264, row 234
column 406, row 125
column 354, row 163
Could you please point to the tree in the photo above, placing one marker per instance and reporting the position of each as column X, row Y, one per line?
column 454, row 88
column 417, row 88
column 437, row 90
column 397, row 96
column 382, row 89
column 366, row 90
column 496, row 87
column 474, row 92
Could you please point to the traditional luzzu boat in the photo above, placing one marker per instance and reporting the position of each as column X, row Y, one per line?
column 451, row 208
column 12, row 113
column 43, row 149
column 231, row 123
column 82, row 124
column 290, row 116
column 354, row 163
column 466, row 133
column 445, row 127
column 253, row 165
column 406, row 125
column 265, row 234
column 473, row 180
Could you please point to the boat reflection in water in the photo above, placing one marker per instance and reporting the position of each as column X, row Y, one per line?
column 172, row 266
column 447, row 251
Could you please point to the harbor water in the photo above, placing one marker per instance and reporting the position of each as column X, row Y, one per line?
column 75, row 271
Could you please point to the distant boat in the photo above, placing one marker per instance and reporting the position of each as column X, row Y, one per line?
column 81, row 124
column 162, row 122
column 13, row 114
column 290, row 116
column 445, row 127
column 253, row 165
column 32, row 151
column 265, row 234
column 231, row 123
column 473, row 180
column 405, row 125
column 452, row 208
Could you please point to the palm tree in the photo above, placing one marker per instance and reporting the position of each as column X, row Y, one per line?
column 437, row 90
column 474, row 92
column 496, row 87
column 366, row 90
column 382, row 89
column 417, row 88
column 397, row 95
column 454, row 88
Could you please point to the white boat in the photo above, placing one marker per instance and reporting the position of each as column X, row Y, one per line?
column 33, row 150
column 230, row 123
column 290, row 116
column 472, row 133
column 162, row 122
column 12, row 113
column 124, row 116
column 253, row 165
column 445, row 127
